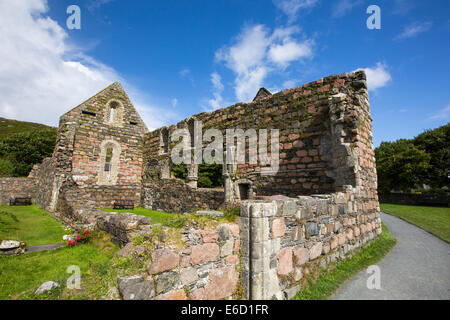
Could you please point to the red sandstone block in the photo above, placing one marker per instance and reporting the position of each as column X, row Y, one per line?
column 207, row 252
column 285, row 263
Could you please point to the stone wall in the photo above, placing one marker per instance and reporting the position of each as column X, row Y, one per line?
column 206, row 268
column 325, row 140
column 177, row 197
column 284, row 240
column 16, row 188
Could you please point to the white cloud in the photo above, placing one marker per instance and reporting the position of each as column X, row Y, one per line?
column 184, row 72
column 256, row 52
column 414, row 29
column 292, row 7
column 342, row 7
column 174, row 102
column 216, row 102
column 289, row 51
column 441, row 115
column 377, row 77
column 42, row 76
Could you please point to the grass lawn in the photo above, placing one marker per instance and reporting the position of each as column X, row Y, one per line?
column 21, row 275
column 30, row 224
column 435, row 220
column 326, row 284
column 155, row 216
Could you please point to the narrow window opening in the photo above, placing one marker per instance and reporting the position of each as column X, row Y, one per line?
column 111, row 114
column 108, row 160
column 133, row 123
column 164, row 141
column 88, row 113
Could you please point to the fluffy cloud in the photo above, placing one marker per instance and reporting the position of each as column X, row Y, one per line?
column 377, row 77
column 292, row 7
column 256, row 52
column 414, row 29
column 42, row 75
column 216, row 102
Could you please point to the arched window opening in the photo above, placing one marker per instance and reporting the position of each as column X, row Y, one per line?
column 108, row 161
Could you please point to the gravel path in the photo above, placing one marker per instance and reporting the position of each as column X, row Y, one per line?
column 418, row 267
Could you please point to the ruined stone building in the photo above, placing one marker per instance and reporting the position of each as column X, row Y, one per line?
column 326, row 184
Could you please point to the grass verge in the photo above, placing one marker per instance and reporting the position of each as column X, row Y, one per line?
column 155, row 216
column 30, row 224
column 21, row 275
column 435, row 220
column 327, row 284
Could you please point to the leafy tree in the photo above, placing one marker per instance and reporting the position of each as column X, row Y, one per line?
column 6, row 168
column 437, row 144
column 209, row 175
column 26, row 149
column 400, row 165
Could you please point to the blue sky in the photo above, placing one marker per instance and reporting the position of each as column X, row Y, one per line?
column 178, row 58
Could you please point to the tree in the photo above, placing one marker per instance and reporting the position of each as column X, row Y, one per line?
column 437, row 144
column 6, row 168
column 26, row 149
column 209, row 175
column 400, row 165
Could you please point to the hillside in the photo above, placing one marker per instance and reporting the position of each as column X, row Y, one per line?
column 8, row 127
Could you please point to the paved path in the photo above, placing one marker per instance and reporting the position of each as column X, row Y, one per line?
column 43, row 247
column 417, row 268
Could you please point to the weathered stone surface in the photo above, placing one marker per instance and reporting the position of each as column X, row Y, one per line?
column 9, row 244
column 197, row 294
column 126, row 251
column 209, row 235
column 301, row 256
column 222, row 283
column 188, row 276
column 211, row 213
column 233, row 259
column 285, row 263
column 46, row 287
column 135, row 288
column 224, row 232
column 166, row 281
column 312, row 229
column 163, row 260
column 315, row 251
column 227, row 248
column 207, row 252
column 173, row 295
column 278, row 228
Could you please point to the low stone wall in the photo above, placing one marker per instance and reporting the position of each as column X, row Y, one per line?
column 16, row 188
column 206, row 268
column 283, row 240
column 173, row 195
column 122, row 227
column 438, row 200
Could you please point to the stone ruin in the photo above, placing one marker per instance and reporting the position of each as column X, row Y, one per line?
column 317, row 208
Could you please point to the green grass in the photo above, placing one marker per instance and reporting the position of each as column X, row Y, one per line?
column 326, row 284
column 21, row 275
column 34, row 226
column 435, row 220
column 8, row 127
column 156, row 217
